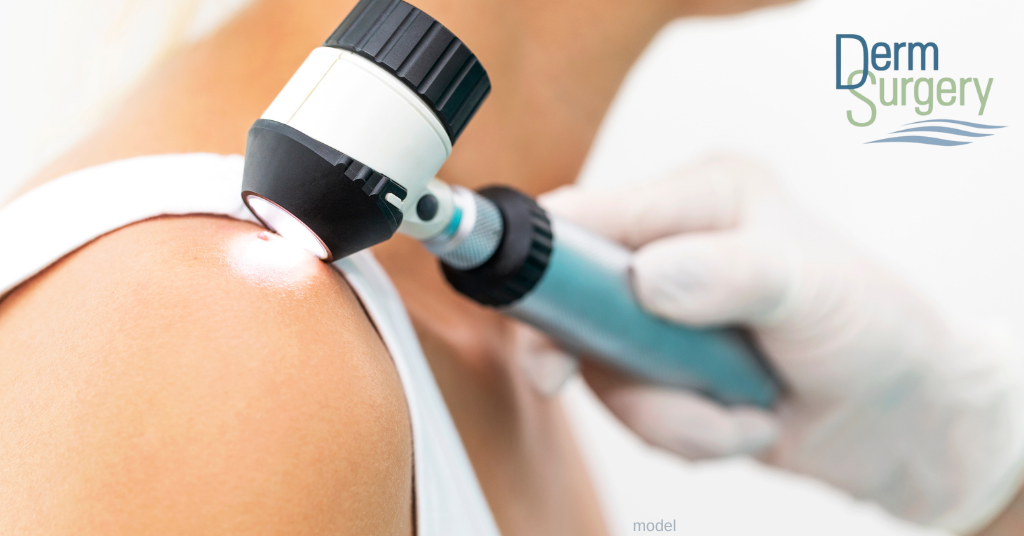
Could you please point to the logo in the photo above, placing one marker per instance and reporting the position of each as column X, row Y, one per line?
column 924, row 95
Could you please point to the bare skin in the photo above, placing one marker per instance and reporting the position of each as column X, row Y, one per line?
column 555, row 66
column 213, row 379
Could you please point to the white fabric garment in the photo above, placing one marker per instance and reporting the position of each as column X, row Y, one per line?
column 58, row 217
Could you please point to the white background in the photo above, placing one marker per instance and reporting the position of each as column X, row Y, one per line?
column 948, row 219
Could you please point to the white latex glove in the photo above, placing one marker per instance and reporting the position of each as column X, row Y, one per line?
column 884, row 398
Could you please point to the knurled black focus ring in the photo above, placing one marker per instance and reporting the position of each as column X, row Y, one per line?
column 522, row 256
column 422, row 53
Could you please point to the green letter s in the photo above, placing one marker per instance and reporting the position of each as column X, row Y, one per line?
column 849, row 113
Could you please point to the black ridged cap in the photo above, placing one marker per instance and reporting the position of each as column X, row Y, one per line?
column 522, row 256
column 421, row 52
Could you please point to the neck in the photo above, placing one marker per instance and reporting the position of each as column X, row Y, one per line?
column 555, row 67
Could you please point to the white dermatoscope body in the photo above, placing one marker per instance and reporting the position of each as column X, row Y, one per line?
column 348, row 152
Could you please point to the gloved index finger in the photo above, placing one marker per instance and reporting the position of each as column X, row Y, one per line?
column 709, row 196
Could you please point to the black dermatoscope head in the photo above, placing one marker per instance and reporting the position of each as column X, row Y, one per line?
column 347, row 148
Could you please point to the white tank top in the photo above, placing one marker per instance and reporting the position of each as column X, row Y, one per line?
column 60, row 216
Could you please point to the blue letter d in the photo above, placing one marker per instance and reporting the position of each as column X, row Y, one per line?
column 839, row 61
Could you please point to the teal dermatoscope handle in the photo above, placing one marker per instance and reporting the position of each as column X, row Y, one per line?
column 501, row 249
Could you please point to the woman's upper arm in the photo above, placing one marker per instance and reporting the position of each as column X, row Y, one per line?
column 195, row 375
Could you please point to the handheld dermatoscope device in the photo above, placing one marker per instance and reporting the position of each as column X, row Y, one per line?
column 347, row 154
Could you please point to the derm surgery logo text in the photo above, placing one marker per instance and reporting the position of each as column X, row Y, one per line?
column 950, row 96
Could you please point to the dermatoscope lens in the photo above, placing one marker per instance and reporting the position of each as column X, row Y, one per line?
column 283, row 223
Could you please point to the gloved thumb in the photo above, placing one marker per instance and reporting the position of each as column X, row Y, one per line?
column 713, row 278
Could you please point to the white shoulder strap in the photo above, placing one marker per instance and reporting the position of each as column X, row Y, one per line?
column 449, row 499
column 53, row 220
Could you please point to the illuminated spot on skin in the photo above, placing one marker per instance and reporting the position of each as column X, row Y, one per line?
column 285, row 224
column 271, row 261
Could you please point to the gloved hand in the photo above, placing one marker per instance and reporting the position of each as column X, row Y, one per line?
column 884, row 397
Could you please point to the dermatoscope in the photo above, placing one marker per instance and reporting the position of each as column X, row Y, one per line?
column 346, row 155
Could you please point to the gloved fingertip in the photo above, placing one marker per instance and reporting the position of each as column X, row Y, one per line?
column 546, row 367
column 549, row 371
column 755, row 431
column 709, row 279
column 671, row 283
column 566, row 201
column 600, row 211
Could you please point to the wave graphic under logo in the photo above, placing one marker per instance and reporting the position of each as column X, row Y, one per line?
column 963, row 137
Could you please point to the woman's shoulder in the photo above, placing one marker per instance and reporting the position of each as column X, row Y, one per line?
column 197, row 373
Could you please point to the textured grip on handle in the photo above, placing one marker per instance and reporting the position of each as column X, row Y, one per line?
column 521, row 257
column 473, row 234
